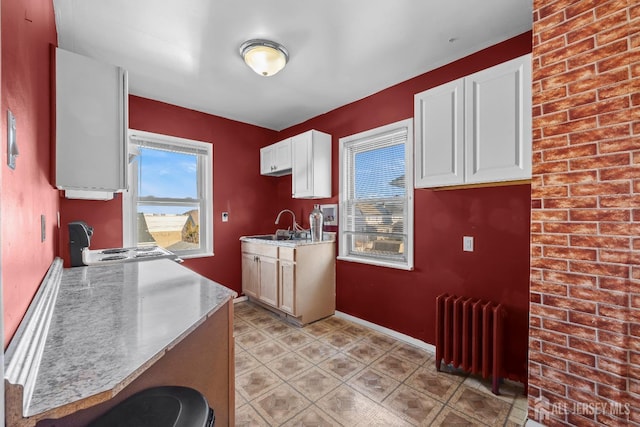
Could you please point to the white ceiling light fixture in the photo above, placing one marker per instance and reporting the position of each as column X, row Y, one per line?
column 263, row 56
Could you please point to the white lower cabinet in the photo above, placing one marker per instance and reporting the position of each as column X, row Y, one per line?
column 298, row 282
column 476, row 129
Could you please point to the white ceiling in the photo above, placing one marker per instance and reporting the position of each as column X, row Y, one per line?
column 186, row 52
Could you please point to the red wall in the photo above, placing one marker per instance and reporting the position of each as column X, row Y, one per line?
column 238, row 187
column 498, row 218
column 28, row 29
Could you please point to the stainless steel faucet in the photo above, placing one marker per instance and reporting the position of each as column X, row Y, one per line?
column 295, row 224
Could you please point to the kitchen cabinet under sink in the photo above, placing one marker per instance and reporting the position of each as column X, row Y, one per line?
column 297, row 280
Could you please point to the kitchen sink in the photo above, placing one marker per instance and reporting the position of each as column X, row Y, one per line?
column 279, row 237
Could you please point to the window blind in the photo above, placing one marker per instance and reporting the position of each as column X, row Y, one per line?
column 375, row 206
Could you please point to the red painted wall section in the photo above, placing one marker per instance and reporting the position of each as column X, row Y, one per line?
column 238, row 187
column 497, row 217
column 28, row 29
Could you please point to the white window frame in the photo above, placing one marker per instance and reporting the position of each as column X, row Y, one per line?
column 205, row 178
column 344, row 142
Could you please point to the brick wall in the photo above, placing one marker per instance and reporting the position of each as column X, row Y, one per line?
column 584, row 340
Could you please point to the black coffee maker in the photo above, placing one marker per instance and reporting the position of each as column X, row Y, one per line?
column 79, row 238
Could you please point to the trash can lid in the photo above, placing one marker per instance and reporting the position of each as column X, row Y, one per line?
column 167, row 406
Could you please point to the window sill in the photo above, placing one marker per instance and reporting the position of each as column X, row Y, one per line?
column 192, row 256
column 377, row 263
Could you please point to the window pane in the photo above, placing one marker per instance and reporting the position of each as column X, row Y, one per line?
column 174, row 227
column 167, row 174
column 380, row 172
column 376, row 213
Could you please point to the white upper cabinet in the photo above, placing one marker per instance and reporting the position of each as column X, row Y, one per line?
column 498, row 122
column 476, row 129
column 439, row 119
column 311, row 165
column 91, row 126
column 275, row 159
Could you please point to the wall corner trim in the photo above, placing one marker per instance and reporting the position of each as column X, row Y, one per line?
column 24, row 353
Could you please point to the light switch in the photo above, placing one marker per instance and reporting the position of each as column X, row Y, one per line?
column 12, row 143
column 467, row 243
column 225, row 216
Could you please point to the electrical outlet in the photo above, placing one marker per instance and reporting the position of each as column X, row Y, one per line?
column 467, row 243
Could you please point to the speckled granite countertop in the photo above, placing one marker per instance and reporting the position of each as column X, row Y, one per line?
column 327, row 238
column 110, row 322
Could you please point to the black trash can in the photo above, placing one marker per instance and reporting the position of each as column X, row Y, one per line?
column 168, row 406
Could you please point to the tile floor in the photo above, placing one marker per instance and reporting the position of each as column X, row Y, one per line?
column 338, row 373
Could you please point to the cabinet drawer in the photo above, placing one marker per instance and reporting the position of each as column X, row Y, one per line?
column 258, row 249
column 287, row 254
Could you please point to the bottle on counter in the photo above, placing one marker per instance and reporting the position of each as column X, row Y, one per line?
column 316, row 220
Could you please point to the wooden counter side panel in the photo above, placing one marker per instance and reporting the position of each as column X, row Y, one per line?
column 203, row 360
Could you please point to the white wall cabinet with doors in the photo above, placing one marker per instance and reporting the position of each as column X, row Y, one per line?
column 476, row 129
column 275, row 159
column 307, row 157
column 91, row 126
column 298, row 282
column 311, row 165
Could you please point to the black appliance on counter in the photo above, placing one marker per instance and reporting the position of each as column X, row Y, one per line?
column 79, row 238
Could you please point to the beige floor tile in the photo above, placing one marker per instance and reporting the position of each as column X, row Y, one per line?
column 289, row 365
column 338, row 339
column 314, row 383
column 294, row 339
column 346, row 405
column 364, row 352
column 261, row 319
column 336, row 322
column 246, row 310
column 240, row 327
column 373, row 384
column 246, row 416
column 256, row 382
column 479, row 405
column 251, row 339
column 318, row 329
column 356, row 330
column 280, row 404
column 416, row 408
column 316, row 351
column 395, row 367
column 412, row 353
column 437, row 385
column 342, row 366
column 449, row 417
column 268, row 351
column 312, row 417
column 244, row 362
column 356, row 376
column 276, row 328
column 385, row 342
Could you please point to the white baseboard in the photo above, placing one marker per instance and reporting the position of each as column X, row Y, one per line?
column 240, row 299
column 397, row 335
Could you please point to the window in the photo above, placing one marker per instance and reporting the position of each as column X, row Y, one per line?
column 169, row 202
column 376, row 197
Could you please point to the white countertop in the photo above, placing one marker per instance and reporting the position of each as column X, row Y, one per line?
column 110, row 322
